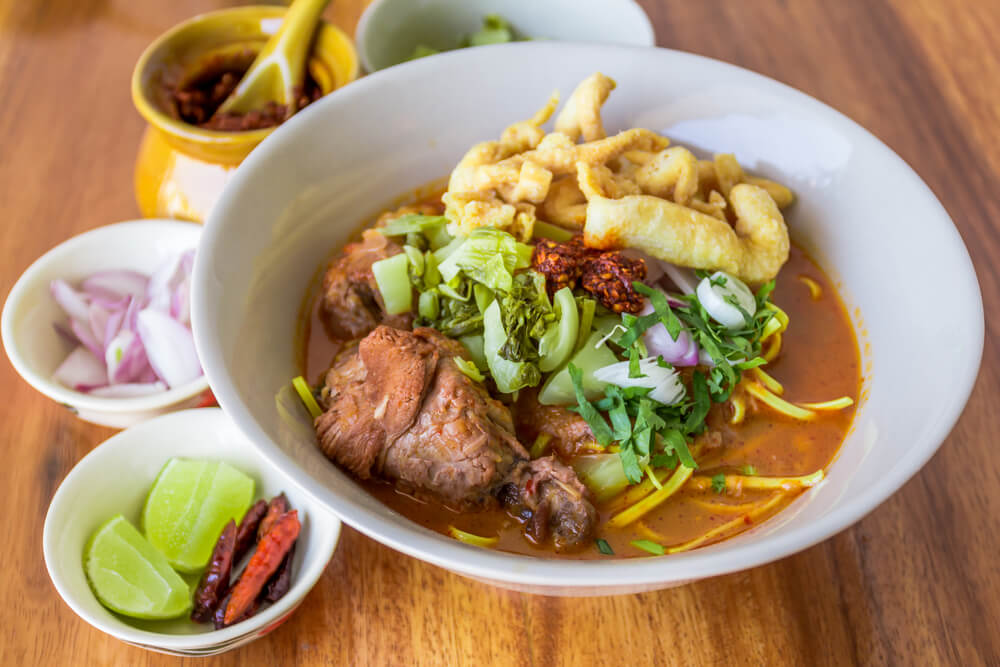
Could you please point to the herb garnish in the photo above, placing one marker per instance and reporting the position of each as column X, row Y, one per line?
column 604, row 547
column 719, row 483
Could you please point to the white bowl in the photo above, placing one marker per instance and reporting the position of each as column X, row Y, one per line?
column 389, row 30
column 114, row 479
column 36, row 350
column 862, row 212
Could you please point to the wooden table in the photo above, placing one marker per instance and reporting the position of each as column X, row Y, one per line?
column 917, row 582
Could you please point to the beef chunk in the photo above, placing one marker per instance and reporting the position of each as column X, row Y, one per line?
column 551, row 499
column 352, row 305
column 568, row 432
column 397, row 407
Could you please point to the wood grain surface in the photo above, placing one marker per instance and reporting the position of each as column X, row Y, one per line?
column 915, row 583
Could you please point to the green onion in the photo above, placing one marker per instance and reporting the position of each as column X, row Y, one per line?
column 544, row 230
column 602, row 544
column 540, row 446
column 649, row 546
column 393, row 280
column 302, row 389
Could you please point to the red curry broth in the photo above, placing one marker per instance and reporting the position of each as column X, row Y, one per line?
column 819, row 360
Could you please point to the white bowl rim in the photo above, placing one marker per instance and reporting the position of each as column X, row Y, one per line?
column 542, row 572
column 309, row 575
column 362, row 33
column 50, row 387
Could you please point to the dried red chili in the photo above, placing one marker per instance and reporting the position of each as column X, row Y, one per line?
column 276, row 508
column 246, row 534
column 282, row 579
column 271, row 550
column 561, row 263
column 215, row 580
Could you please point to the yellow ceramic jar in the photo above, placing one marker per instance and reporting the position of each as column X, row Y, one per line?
column 181, row 168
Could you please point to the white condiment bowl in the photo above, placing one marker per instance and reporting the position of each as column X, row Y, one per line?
column 862, row 213
column 114, row 479
column 36, row 349
column 389, row 30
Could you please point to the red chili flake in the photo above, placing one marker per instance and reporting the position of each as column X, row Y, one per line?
column 747, row 520
column 609, row 277
column 529, row 486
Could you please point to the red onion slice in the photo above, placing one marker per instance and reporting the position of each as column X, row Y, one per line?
column 129, row 390
column 680, row 352
column 81, row 370
column 115, row 284
column 169, row 347
column 70, row 300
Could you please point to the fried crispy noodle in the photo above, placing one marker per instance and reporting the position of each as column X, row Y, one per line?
column 600, row 181
column 582, row 113
column 715, row 206
column 670, row 174
column 754, row 251
column 565, row 204
column 468, row 213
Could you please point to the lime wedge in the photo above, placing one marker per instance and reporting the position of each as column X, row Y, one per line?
column 130, row 577
column 189, row 504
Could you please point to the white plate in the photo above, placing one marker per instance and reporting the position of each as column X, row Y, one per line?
column 897, row 259
column 114, row 479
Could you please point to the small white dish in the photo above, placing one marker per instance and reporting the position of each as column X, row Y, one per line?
column 36, row 349
column 114, row 479
column 862, row 213
column 389, row 30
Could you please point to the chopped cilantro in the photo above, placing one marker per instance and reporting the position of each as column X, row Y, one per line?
column 719, row 483
column 604, row 547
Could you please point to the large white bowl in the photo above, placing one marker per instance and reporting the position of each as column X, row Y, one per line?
column 36, row 350
column 114, row 479
column 895, row 255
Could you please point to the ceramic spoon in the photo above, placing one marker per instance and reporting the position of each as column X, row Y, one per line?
column 279, row 69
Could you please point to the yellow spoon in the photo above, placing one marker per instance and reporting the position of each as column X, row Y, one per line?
column 279, row 69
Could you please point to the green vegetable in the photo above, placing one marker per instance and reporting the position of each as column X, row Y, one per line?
column 416, row 257
column 594, row 420
column 558, row 342
column 508, row 375
column 393, row 280
column 412, row 223
column 587, row 308
column 302, row 389
column 427, row 305
column 651, row 547
column 495, row 30
column 489, row 257
column 525, row 313
column 544, row 230
column 422, row 51
column 604, row 547
column 602, row 473
column 719, row 483
column 749, row 470
column 474, row 345
column 558, row 389
column 469, row 369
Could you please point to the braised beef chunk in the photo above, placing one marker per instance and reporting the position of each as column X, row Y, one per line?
column 398, row 407
column 568, row 432
column 352, row 305
column 552, row 500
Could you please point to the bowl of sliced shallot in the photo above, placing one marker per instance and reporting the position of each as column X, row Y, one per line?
column 101, row 323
